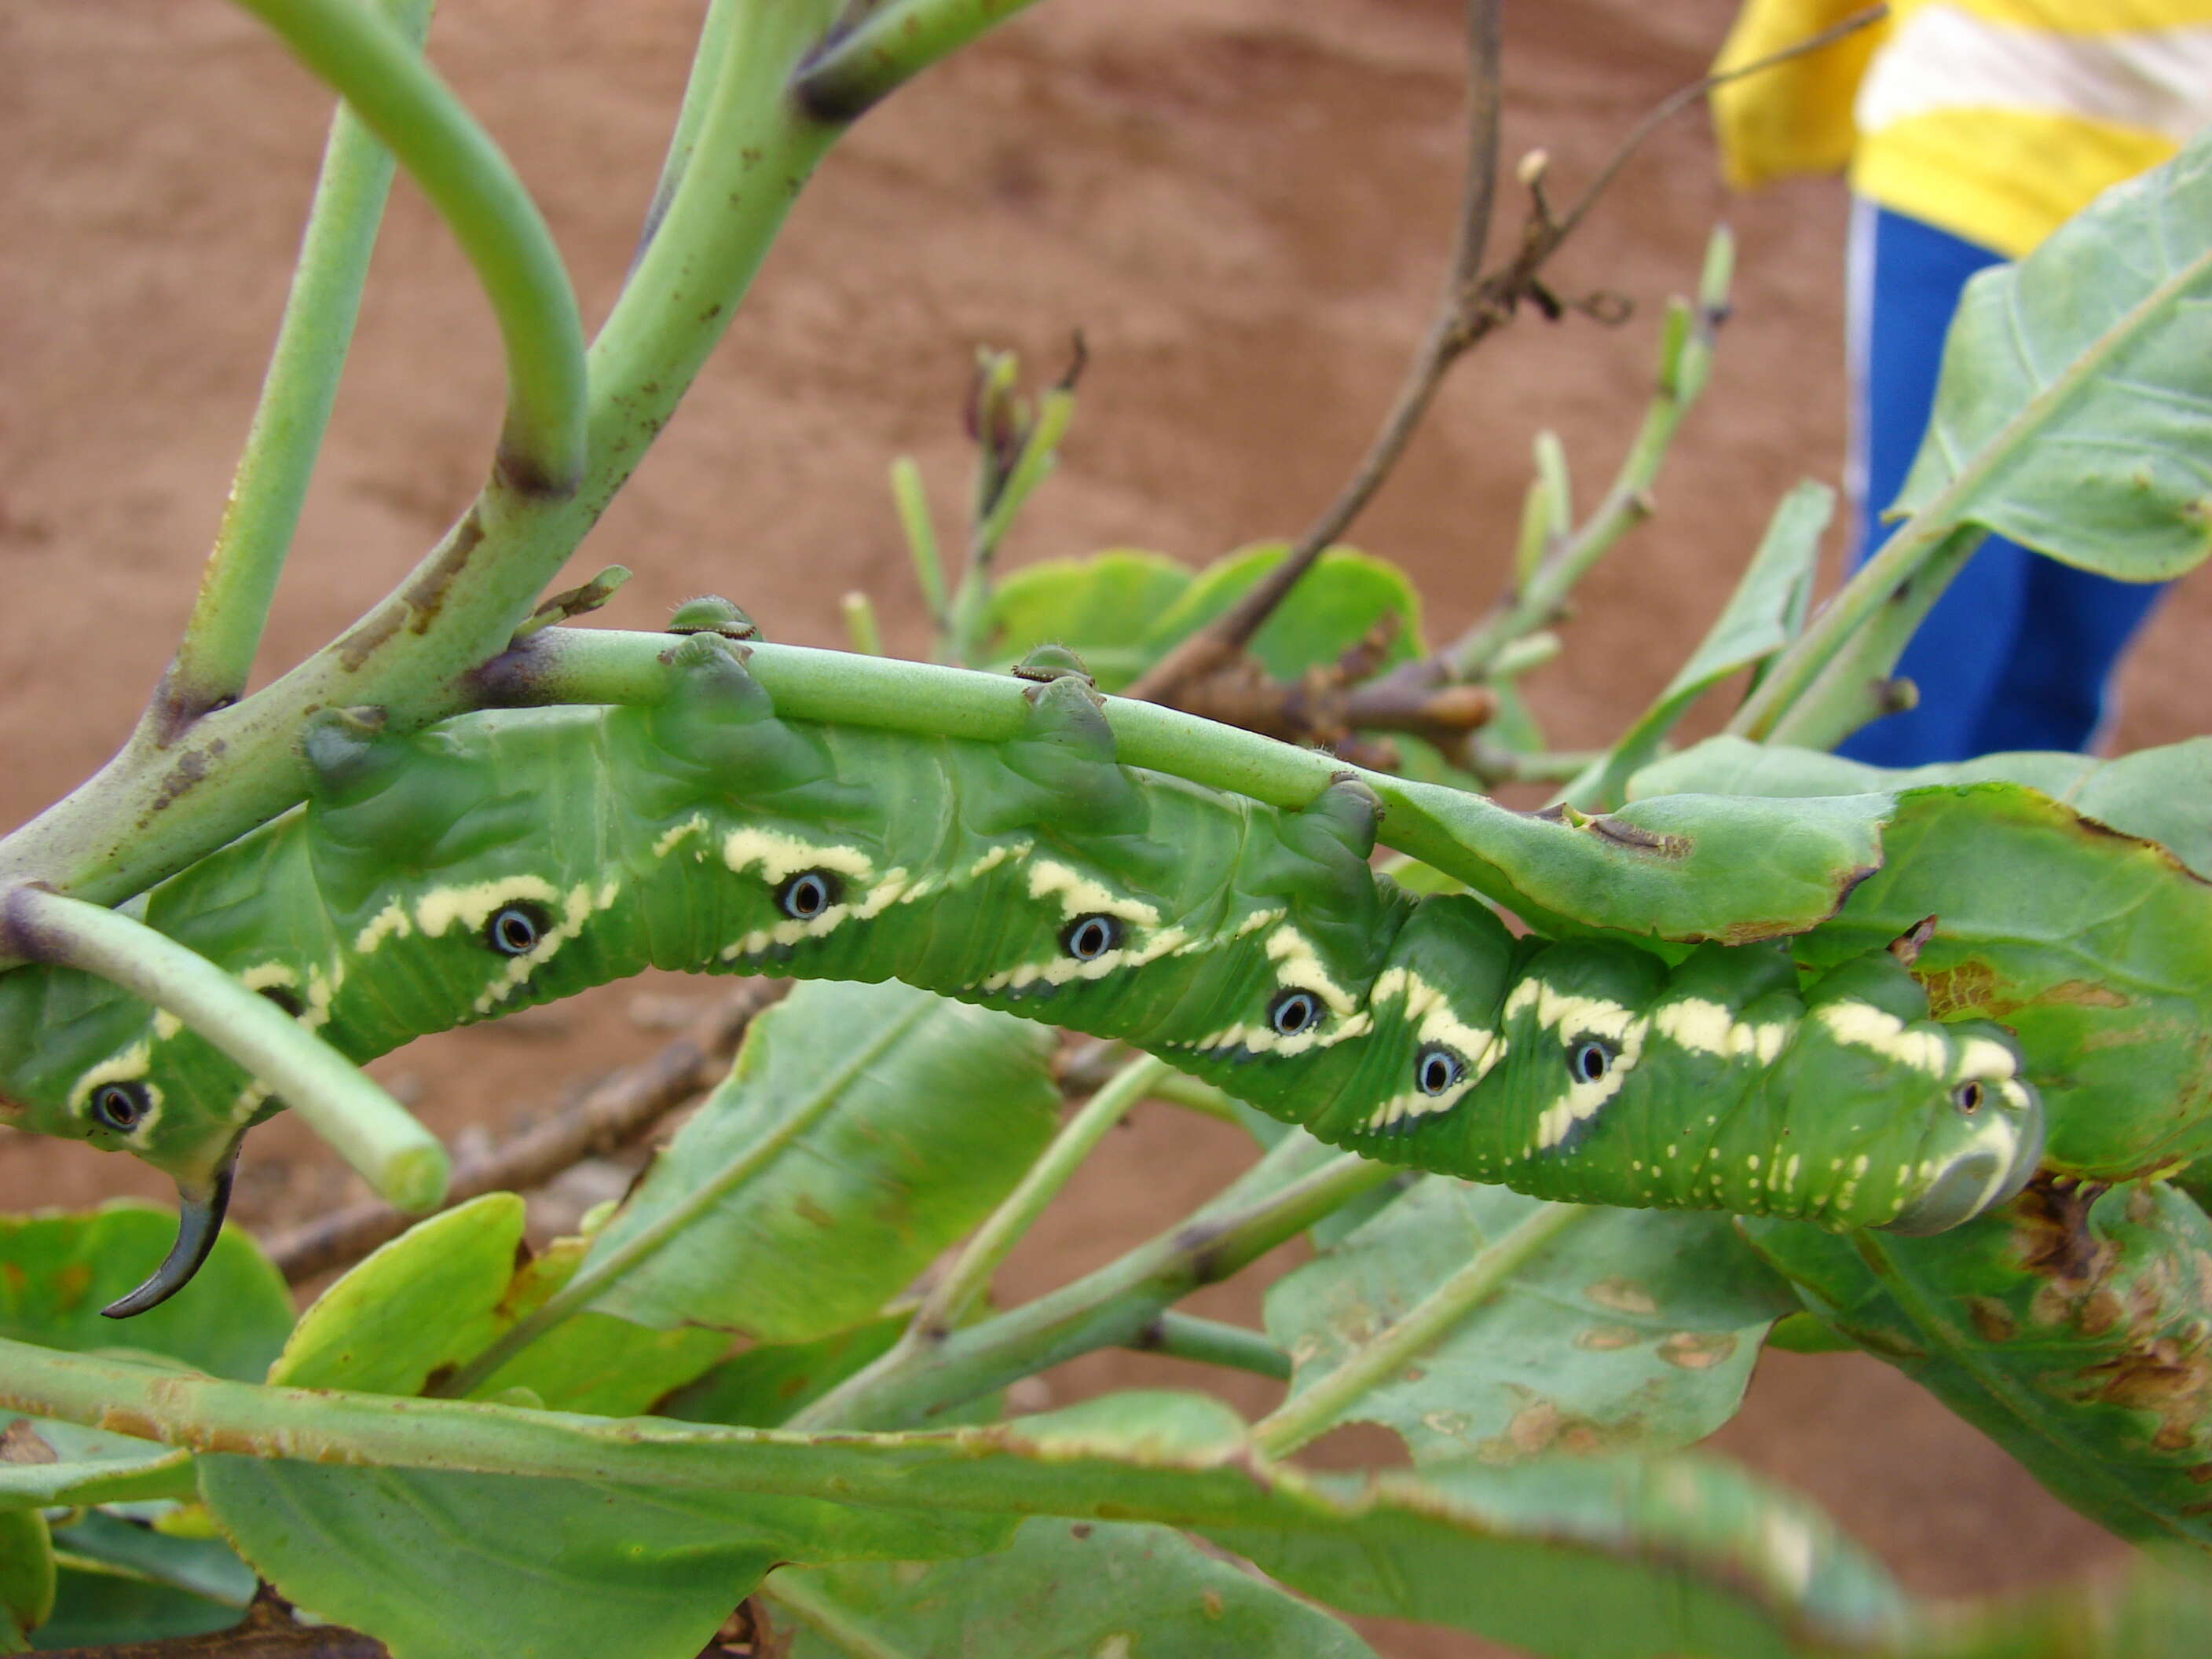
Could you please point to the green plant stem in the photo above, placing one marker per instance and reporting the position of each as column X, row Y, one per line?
column 600, row 1271
column 603, row 665
column 1194, row 1095
column 969, row 1277
column 215, row 654
column 860, row 629
column 996, row 1469
column 1311, row 1411
column 396, row 1155
column 1214, row 1342
column 1893, row 577
column 1538, row 602
column 888, row 47
column 471, row 184
column 912, row 498
column 1296, row 1183
column 707, row 59
column 1856, row 686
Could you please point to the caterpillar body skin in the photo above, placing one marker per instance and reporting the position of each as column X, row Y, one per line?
column 502, row 859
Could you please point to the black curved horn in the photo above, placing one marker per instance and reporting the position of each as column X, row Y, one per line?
column 199, row 1223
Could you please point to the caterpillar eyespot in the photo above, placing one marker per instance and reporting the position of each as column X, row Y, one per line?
column 120, row 1106
column 1089, row 938
column 805, row 895
column 986, row 870
column 1437, row 1068
column 514, row 930
column 285, row 998
column 1589, row 1061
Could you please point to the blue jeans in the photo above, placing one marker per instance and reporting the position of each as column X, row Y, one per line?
column 2016, row 653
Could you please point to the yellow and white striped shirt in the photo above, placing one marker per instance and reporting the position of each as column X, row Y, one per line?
column 1993, row 119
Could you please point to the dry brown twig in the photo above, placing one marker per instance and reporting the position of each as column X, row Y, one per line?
column 615, row 1113
column 1473, row 307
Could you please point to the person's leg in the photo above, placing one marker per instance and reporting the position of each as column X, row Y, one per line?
column 2072, row 627
column 1905, row 278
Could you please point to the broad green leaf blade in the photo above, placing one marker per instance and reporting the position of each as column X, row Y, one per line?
column 1588, row 1558
column 2076, row 387
column 1698, row 1557
column 1633, row 1329
column 1060, row 1587
column 57, row 1272
column 863, row 1129
column 27, row 1577
column 456, row 1567
column 50, row 1465
column 97, row 1609
column 2073, row 1327
column 1336, row 604
column 423, row 1303
column 1102, row 607
column 2162, row 794
column 767, row 1383
column 592, row 1361
column 204, row 1567
column 1761, row 616
column 2093, row 947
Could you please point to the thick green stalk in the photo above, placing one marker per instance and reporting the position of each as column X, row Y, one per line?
column 1855, row 687
column 215, row 655
column 396, row 1155
column 1213, row 1342
column 1316, row 1409
column 596, row 1276
column 1893, row 577
column 888, row 46
column 598, row 665
column 1296, row 1183
column 491, row 216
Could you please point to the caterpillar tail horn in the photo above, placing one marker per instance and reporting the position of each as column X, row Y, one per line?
column 200, row 1207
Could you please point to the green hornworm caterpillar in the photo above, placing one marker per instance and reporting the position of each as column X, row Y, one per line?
column 499, row 859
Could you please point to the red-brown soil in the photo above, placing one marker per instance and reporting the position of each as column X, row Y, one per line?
column 1244, row 204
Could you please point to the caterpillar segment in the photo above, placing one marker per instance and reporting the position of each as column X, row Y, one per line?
column 502, row 859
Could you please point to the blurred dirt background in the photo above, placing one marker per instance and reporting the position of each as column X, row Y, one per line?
column 1244, row 204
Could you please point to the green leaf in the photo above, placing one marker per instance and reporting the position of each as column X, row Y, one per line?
column 204, row 1567
column 49, row 1464
column 1088, row 1588
column 423, row 1303
column 592, row 1361
column 1761, row 616
column 767, row 1384
column 455, row 1566
column 1687, row 867
column 57, row 1272
column 903, row 1118
column 2076, row 387
column 2092, row 946
column 27, row 1576
column 1635, row 1328
column 95, row 1609
column 1102, row 607
column 2162, row 794
column 1339, row 598
column 2147, row 1610
column 2071, row 1328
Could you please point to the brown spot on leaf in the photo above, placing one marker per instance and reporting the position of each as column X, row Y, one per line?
column 20, row 1444
column 1698, row 1351
column 1992, row 1320
column 1605, row 1338
column 1622, row 1295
